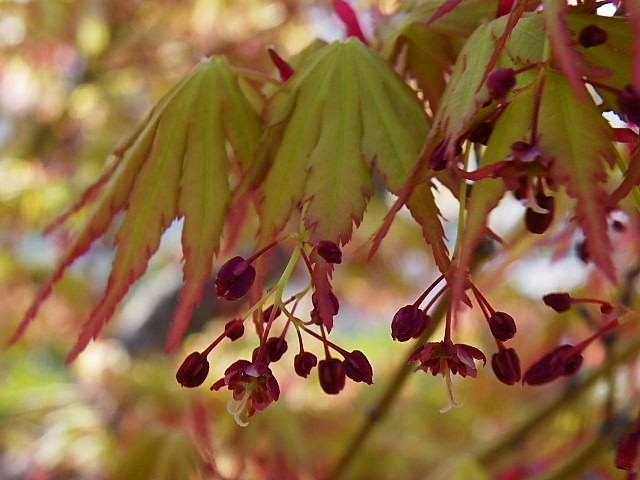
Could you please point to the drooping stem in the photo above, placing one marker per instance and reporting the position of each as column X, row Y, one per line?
column 496, row 450
column 384, row 404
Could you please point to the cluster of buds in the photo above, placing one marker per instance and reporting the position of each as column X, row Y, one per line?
column 505, row 363
column 446, row 357
column 252, row 382
column 565, row 360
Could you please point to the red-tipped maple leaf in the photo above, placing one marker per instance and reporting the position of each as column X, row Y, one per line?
column 175, row 165
column 344, row 113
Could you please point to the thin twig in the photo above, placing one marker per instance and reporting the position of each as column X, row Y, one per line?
column 494, row 451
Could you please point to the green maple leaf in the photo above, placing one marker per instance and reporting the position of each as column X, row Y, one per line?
column 344, row 113
column 174, row 165
column 579, row 138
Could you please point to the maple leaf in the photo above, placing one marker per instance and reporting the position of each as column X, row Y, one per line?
column 175, row 165
column 344, row 113
column 579, row 138
column 463, row 96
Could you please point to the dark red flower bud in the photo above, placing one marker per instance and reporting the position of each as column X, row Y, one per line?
column 629, row 103
column 235, row 278
column 330, row 251
column 606, row 308
column 234, row 329
column 502, row 326
column 332, row 375
column 438, row 160
column 561, row 361
column 193, row 371
column 592, row 36
column 560, row 302
column 304, row 362
column 358, row 368
column 572, row 364
column 481, row 133
column 284, row 69
column 275, row 347
column 538, row 222
column 500, row 82
column 350, row 19
column 506, row 366
column 408, row 322
column 266, row 315
column 628, row 453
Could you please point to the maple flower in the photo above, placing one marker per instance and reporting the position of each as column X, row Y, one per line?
column 254, row 388
column 506, row 366
column 500, row 82
column 275, row 347
column 445, row 358
column 234, row 329
column 561, row 361
column 537, row 220
column 357, row 367
column 408, row 322
column 592, row 36
column 235, row 278
column 304, row 362
column 559, row 301
column 332, row 375
column 193, row 371
column 439, row 357
column 502, row 326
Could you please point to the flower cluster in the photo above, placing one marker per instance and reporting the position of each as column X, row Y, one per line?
column 252, row 382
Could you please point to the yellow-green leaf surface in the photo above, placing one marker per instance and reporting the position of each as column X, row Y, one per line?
column 343, row 113
column 175, row 167
column 577, row 136
column 463, row 98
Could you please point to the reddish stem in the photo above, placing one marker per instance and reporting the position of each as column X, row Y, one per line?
column 603, row 331
column 435, row 298
column 263, row 250
column 221, row 337
column 324, row 340
column 428, row 290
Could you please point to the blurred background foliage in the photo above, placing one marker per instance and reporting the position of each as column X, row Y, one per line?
column 75, row 77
